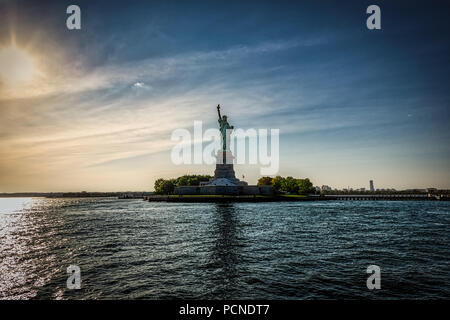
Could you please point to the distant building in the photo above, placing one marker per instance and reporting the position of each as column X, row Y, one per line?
column 372, row 189
column 326, row 188
column 431, row 190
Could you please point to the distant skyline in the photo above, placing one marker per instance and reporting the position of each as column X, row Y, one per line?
column 93, row 109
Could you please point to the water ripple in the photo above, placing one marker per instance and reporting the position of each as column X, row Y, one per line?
column 139, row 250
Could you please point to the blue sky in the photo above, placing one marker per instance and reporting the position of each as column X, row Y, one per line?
column 351, row 104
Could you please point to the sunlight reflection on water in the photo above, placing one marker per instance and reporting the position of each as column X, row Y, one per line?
column 9, row 205
column 134, row 249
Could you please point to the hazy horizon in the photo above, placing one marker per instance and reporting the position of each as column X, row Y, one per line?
column 94, row 109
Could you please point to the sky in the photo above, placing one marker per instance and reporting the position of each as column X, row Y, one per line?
column 94, row 109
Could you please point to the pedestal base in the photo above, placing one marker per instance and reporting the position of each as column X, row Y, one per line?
column 224, row 166
column 224, row 174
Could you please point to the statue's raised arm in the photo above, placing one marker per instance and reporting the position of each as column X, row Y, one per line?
column 218, row 112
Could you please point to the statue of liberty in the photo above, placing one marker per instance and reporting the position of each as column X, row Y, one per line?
column 224, row 127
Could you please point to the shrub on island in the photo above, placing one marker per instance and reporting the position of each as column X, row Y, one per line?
column 163, row 186
column 287, row 185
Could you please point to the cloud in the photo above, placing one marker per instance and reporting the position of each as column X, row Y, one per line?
column 80, row 120
column 94, row 118
column 60, row 74
column 139, row 85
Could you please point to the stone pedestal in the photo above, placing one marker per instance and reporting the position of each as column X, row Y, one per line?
column 224, row 173
column 224, row 166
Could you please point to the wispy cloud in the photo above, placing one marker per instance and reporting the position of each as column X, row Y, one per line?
column 95, row 118
column 102, row 105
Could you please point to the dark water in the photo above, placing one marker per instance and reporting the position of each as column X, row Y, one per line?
column 131, row 249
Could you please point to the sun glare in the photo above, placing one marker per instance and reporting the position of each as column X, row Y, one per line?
column 16, row 65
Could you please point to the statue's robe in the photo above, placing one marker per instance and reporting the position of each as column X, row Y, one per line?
column 224, row 126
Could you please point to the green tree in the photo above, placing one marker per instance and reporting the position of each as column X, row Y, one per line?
column 264, row 181
column 168, row 187
column 276, row 183
column 163, row 186
column 158, row 184
column 191, row 180
column 290, row 185
column 182, row 181
column 305, row 186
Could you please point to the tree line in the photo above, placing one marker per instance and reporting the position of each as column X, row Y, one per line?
column 288, row 184
column 163, row 186
column 279, row 184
